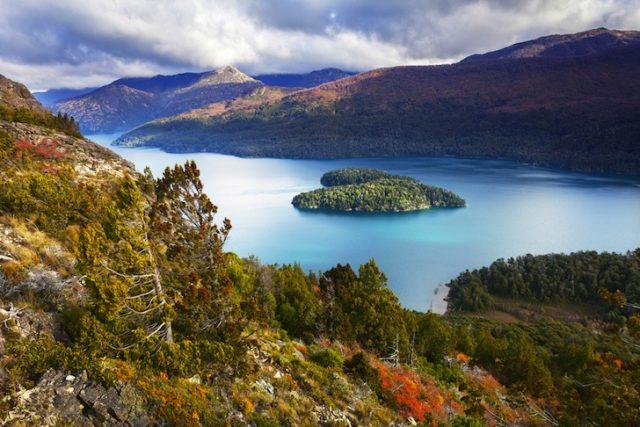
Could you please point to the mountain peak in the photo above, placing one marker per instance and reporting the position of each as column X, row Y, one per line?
column 563, row 45
column 227, row 74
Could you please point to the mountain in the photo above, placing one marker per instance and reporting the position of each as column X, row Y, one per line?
column 129, row 102
column 312, row 79
column 50, row 97
column 563, row 46
column 120, row 305
column 577, row 112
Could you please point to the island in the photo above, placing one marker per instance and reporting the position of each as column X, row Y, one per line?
column 373, row 190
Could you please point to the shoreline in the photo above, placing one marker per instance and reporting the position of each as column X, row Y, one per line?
column 438, row 303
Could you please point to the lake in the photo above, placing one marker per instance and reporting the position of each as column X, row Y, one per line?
column 512, row 209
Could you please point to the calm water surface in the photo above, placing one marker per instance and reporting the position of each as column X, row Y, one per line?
column 513, row 209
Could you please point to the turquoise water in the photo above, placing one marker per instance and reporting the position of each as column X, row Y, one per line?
column 513, row 209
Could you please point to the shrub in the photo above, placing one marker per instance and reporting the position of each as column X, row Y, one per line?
column 328, row 357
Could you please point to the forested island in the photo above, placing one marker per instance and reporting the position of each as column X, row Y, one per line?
column 372, row 190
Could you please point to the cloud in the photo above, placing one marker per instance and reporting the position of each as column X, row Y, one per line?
column 75, row 43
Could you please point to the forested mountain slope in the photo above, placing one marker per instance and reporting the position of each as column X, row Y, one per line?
column 305, row 80
column 578, row 112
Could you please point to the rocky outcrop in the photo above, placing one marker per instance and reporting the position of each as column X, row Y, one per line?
column 23, row 322
column 63, row 399
column 16, row 95
column 89, row 158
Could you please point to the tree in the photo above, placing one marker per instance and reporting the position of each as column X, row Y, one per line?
column 122, row 272
column 189, row 245
column 364, row 309
column 155, row 261
column 433, row 337
column 297, row 304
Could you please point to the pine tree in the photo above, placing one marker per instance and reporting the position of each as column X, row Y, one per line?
column 184, row 232
column 122, row 272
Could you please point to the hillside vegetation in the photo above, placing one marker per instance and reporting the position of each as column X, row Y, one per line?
column 578, row 111
column 120, row 305
column 371, row 190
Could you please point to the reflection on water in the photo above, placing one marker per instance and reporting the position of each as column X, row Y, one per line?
column 513, row 209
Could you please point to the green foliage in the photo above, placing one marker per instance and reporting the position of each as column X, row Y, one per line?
column 55, row 201
column 517, row 360
column 360, row 368
column 578, row 277
column 327, row 357
column 297, row 304
column 349, row 176
column 185, row 358
column 371, row 190
column 34, row 357
column 568, row 362
column 432, row 337
column 60, row 122
column 466, row 421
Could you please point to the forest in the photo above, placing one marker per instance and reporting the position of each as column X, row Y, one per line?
column 372, row 190
column 581, row 277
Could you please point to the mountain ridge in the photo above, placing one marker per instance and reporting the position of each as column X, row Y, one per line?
column 563, row 45
column 127, row 103
column 165, row 95
column 574, row 112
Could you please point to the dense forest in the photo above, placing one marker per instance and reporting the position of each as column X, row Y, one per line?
column 349, row 176
column 583, row 277
column 371, row 190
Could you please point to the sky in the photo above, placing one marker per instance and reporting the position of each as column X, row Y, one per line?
column 80, row 43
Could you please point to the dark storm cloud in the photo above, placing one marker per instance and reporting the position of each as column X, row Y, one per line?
column 49, row 43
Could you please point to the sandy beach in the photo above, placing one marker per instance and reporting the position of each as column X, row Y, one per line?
column 438, row 303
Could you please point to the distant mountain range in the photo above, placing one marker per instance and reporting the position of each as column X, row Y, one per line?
column 571, row 101
column 50, row 97
column 129, row 102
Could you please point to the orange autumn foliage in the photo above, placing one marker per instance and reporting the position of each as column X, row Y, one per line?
column 461, row 357
column 413, row 396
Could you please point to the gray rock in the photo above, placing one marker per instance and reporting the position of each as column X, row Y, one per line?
column 59, row 398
